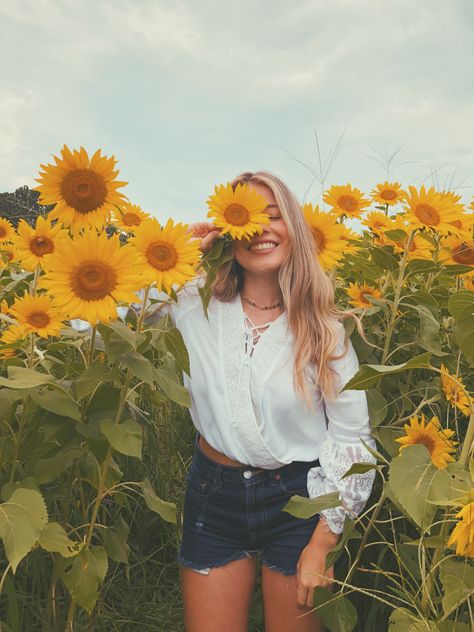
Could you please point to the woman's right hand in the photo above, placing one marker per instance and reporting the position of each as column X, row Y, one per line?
column 207, row 232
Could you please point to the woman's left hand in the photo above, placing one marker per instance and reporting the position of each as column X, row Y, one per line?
column 310, row 569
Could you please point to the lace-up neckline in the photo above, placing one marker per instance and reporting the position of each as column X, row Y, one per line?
column 253, row 333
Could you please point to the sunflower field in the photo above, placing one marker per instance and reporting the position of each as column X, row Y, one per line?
column 95, row 435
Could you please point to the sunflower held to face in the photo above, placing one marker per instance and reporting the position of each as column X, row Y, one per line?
column 433, row 210
column 388, row 193
column 167, row 254
column 7, row 232
column 455, row 395
column 84, row 190
column 463, row 533
column 327, row 234
column 38, row 314
column 430, row 434
column 357, row 292
column 239, row 212
column 129, row 217
column 33, row 244
column 90, row 273
column 346, row 200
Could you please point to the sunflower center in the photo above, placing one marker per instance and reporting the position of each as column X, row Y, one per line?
column 347, row 203
column 427, row 442
column 388, row 194
column 3, row 232
column 41, row 246
column 38, row 319
column 162, row 255
column 236, row 215
column 464, row 254
column 93, row 280
column 131, row 219
column 319, row 238
column 84, row 190
column 427, row 214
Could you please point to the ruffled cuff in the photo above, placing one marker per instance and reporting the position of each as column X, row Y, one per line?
column 354, row 491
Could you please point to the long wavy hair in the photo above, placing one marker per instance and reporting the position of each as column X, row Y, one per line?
column 308, row 295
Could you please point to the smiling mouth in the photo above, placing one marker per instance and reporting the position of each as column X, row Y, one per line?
column 265, row 246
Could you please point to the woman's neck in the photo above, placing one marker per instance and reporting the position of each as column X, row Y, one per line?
column 261, row 290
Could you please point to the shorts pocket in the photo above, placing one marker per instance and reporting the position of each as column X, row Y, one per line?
column 199, row 482
column 294, row 483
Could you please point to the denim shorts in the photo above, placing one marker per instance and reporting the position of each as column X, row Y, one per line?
column 235, row 512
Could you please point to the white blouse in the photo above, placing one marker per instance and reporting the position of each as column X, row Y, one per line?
column 244, row 404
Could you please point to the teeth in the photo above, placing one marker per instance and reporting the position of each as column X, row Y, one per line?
column 264, row 246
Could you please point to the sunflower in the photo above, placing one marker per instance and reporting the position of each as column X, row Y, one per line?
column 7, row 254
column 33, row 244
column 38, row 314
column 455, row 250
column 7, row 232
column 168, row 254
column 89, row 273
column 464, row 225
column 454, row 393
column 356, row 292
column 432, row 210
column 349, row 237
column 463, row 533
column 432, row 436
column 11, row 336
column 468, row 280
column 129, row 217
column 346, row 200
column 388, row 193
column 239, row 212
column 376, row 221
column 84, row 190
column 327, row 234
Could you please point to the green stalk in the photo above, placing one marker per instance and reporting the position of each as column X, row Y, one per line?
column 396, row 298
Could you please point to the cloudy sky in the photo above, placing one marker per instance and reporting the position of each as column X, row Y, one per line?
column 189, row 94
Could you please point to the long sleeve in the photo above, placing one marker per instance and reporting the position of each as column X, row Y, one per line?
column 348, row 422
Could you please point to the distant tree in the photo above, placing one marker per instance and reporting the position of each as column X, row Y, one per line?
column 22, row 204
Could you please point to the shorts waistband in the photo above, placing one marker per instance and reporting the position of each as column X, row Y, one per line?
column 230, row 473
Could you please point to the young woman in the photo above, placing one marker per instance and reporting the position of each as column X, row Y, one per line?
column 267, row 367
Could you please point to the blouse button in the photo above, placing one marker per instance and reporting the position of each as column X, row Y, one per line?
column 247, row 474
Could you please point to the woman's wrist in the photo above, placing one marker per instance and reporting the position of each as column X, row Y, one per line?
column 323, row 534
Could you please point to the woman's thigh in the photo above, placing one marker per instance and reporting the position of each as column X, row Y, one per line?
column 281, row 609
column 221, row 599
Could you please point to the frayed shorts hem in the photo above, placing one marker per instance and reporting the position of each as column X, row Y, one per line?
column 205, row 567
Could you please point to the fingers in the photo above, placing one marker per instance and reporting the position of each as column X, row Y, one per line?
column 206, row 243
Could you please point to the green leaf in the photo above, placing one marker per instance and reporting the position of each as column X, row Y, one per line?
column 22, row 519
column 117, row 342
column 303, row 507
column 172, row 387
column 89, row 470
column 336, row 611
column 396, row 235
column 95, row 374
column 429, row 330
column 360, row 468
column 115, row 540
column 83, row 575
column 175, row 345
column 458, row 583
column 54, row 538
column 125, row 437
column 165, row 509
column 383, row 259
column 461, row 307
column 420, row 266
column 369, row 374
column 47, row 470
column 138, row 365
column 454, row 626
column 402, row 620
column 415, row 481
column 378, row 407
column 20, row 377
column 57, row 401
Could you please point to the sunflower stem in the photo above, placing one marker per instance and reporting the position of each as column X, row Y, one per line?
column 396, row 298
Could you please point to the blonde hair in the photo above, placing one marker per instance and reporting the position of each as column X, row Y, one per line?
column 308, row 294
